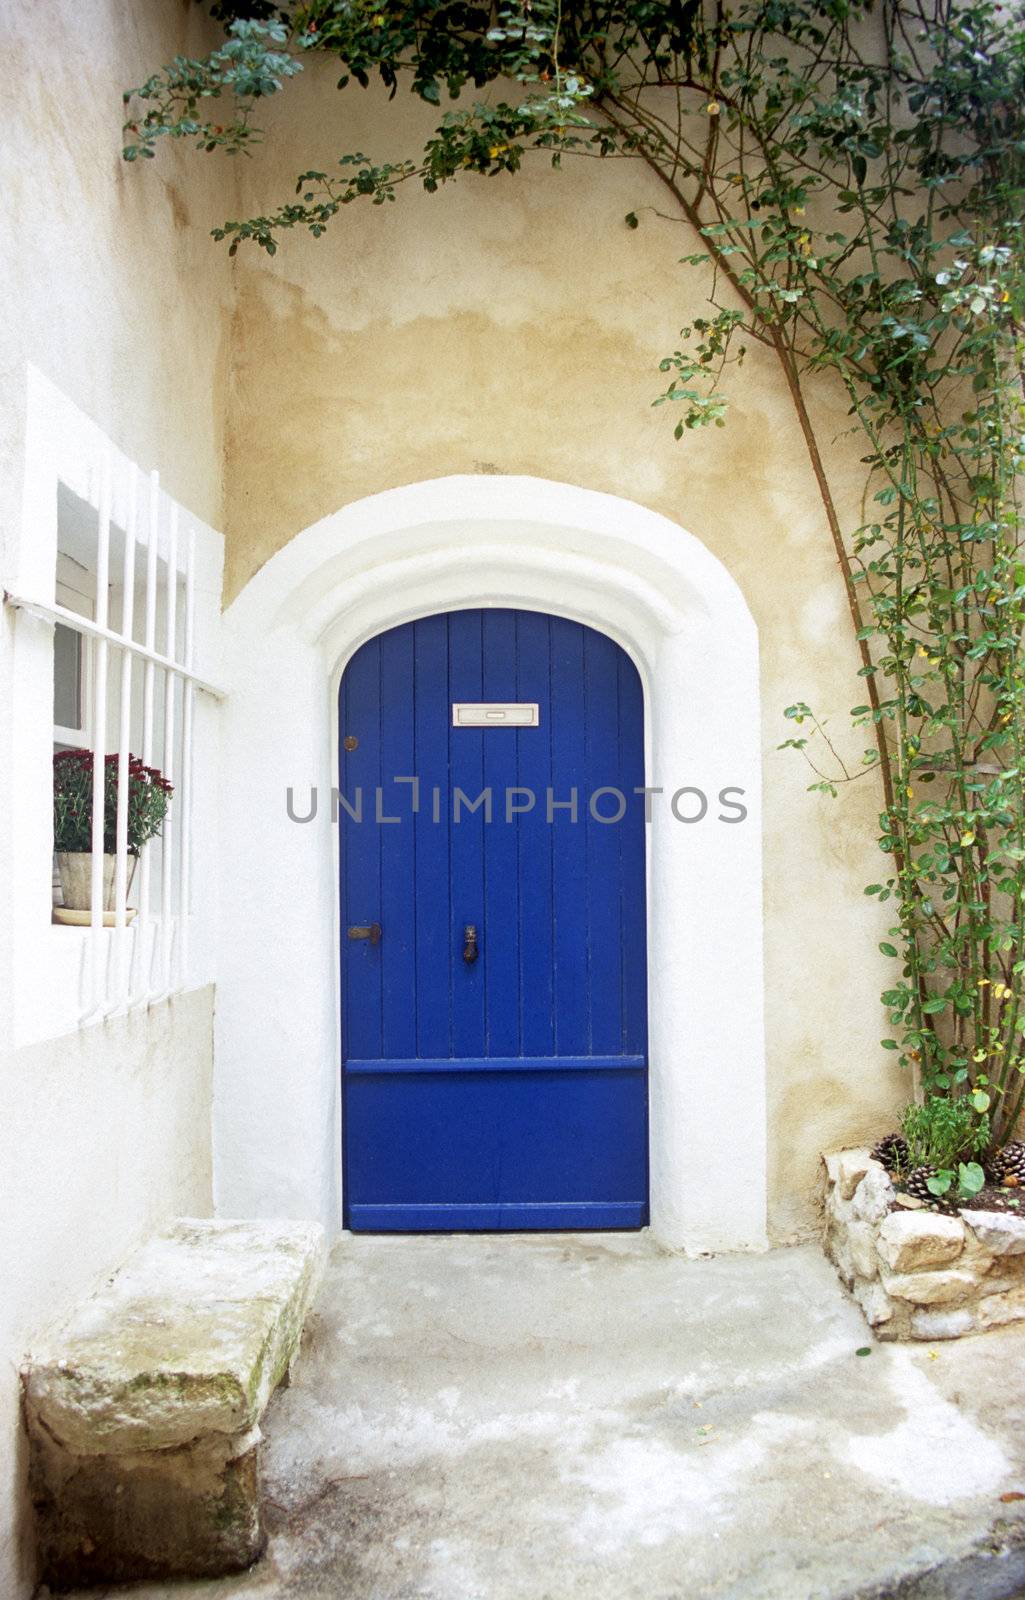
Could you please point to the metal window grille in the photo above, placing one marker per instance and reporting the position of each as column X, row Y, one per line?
column 134, row 962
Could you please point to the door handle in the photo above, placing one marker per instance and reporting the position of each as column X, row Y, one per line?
column 371, row 932
column 470, row 951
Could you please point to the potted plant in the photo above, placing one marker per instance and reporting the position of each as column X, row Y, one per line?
column 149, row 794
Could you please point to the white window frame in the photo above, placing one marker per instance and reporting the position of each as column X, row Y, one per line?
column 63, row 977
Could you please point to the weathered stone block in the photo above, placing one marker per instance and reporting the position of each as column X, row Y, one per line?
column 143, row 1412
column 942, row 1324
column 873, row 1196
column 929, row 1288
column 837, row 1248
column 997, row 1232
column 189, row 1510
column 874, row 1302
column 831, row 1162
column 861, row 1242
column 908, row 1240
column 851, row 1167
column 996, row 1309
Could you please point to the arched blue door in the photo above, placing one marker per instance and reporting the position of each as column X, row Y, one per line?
column 493, row 927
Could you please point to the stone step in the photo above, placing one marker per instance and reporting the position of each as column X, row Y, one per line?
column 143, row 1406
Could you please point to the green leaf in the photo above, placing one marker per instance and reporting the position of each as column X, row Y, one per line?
column 631, row 220
column 980, row 1100
column 865, row 1350
column 940, row 1183
column 970, row 1178
column 888, row 949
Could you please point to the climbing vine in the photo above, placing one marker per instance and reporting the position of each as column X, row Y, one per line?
column 852, row 181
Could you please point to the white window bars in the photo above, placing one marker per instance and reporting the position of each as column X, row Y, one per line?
column 137, row 955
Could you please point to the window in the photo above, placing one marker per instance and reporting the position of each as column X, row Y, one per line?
column 76, row 590
column 123, row 689
column 106, row 594
column 69, row 691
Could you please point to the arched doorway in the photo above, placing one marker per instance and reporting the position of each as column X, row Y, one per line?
column 528, row 544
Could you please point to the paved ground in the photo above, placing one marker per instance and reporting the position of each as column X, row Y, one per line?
column 569, row 1418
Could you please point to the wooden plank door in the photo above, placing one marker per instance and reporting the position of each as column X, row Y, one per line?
column 493, row 1080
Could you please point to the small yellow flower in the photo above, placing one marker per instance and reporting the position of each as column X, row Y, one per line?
column 967, row 839
column 999, row 990
column 712, row 108
column 983, row 983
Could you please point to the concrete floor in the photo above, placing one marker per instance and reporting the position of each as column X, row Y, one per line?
column 586, row 1418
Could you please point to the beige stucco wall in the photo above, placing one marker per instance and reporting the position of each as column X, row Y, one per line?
column 515, row 325
column 110, row 288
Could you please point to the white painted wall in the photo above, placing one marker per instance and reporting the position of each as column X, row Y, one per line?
column 475, row 541
column 104, row 1130
column 114, row 292
column 103, row 1136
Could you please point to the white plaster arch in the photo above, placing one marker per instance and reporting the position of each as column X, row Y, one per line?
column 443, row 545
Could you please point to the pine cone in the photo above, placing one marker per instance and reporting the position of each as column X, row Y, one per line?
column 917, row 1183
column 892, row 1152
column 1007, row 1163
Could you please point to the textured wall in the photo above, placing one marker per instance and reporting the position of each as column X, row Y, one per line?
column 112, row 290
column 516, row 326
column 121, row 300
column 104, row 1135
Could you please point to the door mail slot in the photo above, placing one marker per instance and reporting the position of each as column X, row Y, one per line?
column 495, row 714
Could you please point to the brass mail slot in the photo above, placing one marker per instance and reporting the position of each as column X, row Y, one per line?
column 495, row 714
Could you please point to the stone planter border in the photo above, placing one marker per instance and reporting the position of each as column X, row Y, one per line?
column 918, row 1273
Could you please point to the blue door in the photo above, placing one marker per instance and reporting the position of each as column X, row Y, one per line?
column 493, row 927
